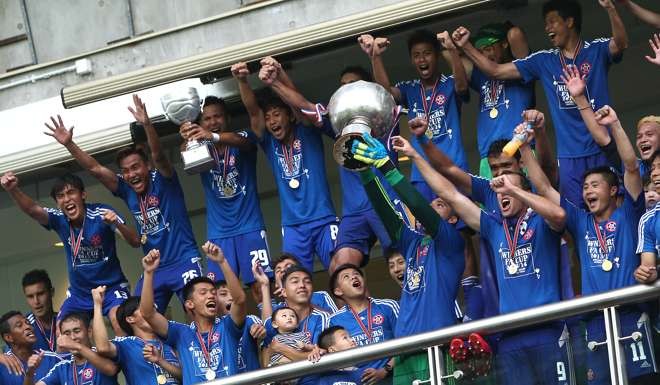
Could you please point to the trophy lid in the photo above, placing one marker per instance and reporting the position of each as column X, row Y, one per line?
column 182, row 105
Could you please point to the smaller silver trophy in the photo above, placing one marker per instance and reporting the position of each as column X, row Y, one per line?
column 181, row 107
column 358, row 108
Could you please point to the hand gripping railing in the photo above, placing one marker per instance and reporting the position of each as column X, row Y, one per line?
column 422, row 341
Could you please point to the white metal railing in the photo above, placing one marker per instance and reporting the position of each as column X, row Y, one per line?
column 419, row 342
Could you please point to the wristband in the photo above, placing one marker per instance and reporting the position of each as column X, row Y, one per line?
column 583, row 108
column 215, row 138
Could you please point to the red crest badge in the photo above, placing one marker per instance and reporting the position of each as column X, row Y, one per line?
column 297, row 144
column 87, row 374
column 440, row 99
column 585, row 68
column 528, row 234
column 232, row 161
column 611, row 226
column 216, row 337
column 95, row 240
column 377, row 319
column 210, row 275
column 153, row 201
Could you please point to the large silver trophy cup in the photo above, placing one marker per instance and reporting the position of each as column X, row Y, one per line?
column 358, row 108
column 185, row 106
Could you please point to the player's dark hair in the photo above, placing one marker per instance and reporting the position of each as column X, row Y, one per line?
column 284, row 257
column 128, row 151
column 76, row 316
column 294, row 269
column 359, row 71
column 5, row 328
column 338, row 270
column 125, row 310
column 37, row 276
column 219, row 283
column 655, row 155
column 423, row 36
column 389, row 253
column 215, row 101
column 270, row 102
column 327, row 337
column 565, row 9
column 610, row 176
column 67, row 180
column 495, row 149
column 190, row 286
column 278, row 310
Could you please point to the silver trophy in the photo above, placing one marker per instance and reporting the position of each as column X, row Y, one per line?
column 358, row 108
column 181, row 107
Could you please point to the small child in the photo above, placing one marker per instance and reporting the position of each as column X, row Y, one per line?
column 285, row 321
column 336, row 339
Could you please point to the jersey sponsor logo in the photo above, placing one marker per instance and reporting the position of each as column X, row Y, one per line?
column 520, row 264
column 227, row 185
column 564, row 98
column 88, row 255
column 436, row 120
column 491, row 94
column 199, row 360
column 610, row 226
column 594, row 249
column 154, row 223
column 414, row 278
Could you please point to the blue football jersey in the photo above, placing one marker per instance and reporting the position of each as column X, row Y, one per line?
column 95, row 262
column 221, row 344
column 649, row 232
column 138, row 370
column 165, row 219
column 501, row 104
column 49, row 360
column 593, row 60
column 430, row 284
column 484, row 194
column 348, row 376
column 533, row 266
column 46, row 339
column 300, row 174
column 443, row 106
column 248, row 350
column 376, row 324
column 618, row 233
column 86, row 374
column 232, row 203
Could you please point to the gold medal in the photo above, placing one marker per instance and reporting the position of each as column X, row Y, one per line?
column 294, row 183
column 429, row 133
column 161, row 379
column 606, row 265
column 493, row 113
column 228, row 190
column 143, row 239
column 210, row 375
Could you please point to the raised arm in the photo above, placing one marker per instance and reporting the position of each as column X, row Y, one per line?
column 469, row 212
column 494, row 70
column 457, row 67
column 518, row 44
column 440, row 162
column 64, row 137
column 9, row 182
column 371, row 151
column 238, row 310
column 649, row 17
column 103, row 346
column 544, row 153
column 157, row 322
column 193, row 131
column 632, row 179
column 129, row 234
column 619, row 40
column 552, row 213
column 534, row 171
column 374, row 48
column 654, row 42
column 157, row 154
column 264, row 285
column 240, row 72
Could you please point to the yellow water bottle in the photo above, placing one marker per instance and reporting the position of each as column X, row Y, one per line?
column 514, row 144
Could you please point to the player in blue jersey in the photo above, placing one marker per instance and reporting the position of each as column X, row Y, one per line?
column 524, row 239
column 155, row 198
column 88, row 233
column 233, row 215
column 648, row 232
column 501, row 103
column 434, row 96
column 38, row 290
column 208, row 346
column 360, row 227
column 648, row 128
column 367, row 320
column 563, row 18
column 434, row 260
column 337, row 339
column 320, row 299
column 605, row 237
column 142, row 357
column 20, row 337
column 295, row 154
column 85, row 367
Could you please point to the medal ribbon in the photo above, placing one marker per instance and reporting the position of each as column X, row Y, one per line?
column 75, row 371
column 366, row 329
column 513, row 244
column 76, row 241
column 143, row 210
column 428, row 108
column 602, row 242
column 288, row 156
column 205, row 347
column 493, row 92
column 576, row 52
column 51, row 339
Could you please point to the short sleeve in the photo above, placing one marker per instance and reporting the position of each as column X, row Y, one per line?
column 572, row 214
column 603, row 47
column 174, row 330
column 634, row 208
column 231, row 328
column 646, row 241
column 123, row 188
column 55, row 217
column 404, row 89
column 120, row 218
column 487, row 223
column 53, row 375
column 481, row 190
column 529, row 67
column 249, row 135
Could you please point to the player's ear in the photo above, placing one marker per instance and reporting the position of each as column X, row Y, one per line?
column 189, row 305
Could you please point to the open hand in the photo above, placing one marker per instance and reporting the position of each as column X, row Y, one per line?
column 59, row 131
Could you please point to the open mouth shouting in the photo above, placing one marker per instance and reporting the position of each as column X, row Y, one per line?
column 552, row 36
column 645, row 150
column 424, row 70
column 211, row 306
